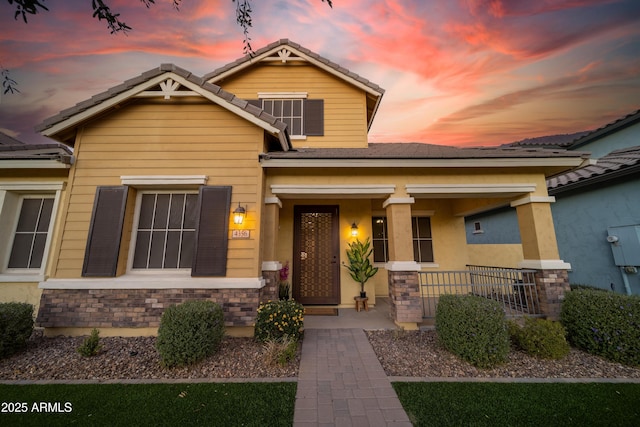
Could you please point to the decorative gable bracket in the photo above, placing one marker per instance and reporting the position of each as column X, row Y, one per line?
column 167, row 89
column 283, row 55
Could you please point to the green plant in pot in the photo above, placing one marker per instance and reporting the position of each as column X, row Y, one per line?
column 360, row 266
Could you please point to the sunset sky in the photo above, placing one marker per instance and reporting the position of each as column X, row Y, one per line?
column 455, row 72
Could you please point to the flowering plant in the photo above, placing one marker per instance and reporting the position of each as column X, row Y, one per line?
column 284, row 287
column 277, row 319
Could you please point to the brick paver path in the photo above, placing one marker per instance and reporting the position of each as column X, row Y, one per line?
column 341, row 383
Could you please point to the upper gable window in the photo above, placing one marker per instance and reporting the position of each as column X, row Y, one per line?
column 304, row 117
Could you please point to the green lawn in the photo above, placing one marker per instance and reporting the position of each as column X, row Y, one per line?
column 521, row 404
column 210, row 404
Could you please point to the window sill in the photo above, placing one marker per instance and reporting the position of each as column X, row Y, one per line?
column 21, row 278
column 152, row 280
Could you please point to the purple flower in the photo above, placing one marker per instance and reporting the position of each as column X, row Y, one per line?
column 284, row 272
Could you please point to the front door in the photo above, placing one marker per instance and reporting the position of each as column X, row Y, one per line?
column 316, row 270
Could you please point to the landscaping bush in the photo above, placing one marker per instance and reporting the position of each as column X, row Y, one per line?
column 189, row 332
column 540, row 338
column 603, row 323
column 16, row 326
column 280, row 351
column 91, row 345
column 474, row 328
column 277, row 319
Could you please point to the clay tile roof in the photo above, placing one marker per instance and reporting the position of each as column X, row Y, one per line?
column 420, row 151
column 286, row 42
column 619, row 124
column 148, row 75
column 9, row 140
column 614, row 164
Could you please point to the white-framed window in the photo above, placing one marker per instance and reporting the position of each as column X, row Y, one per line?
column 303, row 116
column 421, row 236
column 289, row 111
column 164, row 233
column 27, row 218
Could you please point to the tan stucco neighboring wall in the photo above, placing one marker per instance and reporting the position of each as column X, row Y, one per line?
column 173, row 137
column 498, row 255
column 345, row 121
column 21, row 292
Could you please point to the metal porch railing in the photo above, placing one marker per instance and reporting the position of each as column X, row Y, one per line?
column 514, row 288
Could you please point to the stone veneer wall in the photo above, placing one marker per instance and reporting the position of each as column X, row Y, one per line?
column 270, row 292
column 551, row 286
column 404, row 297
column 137, row 308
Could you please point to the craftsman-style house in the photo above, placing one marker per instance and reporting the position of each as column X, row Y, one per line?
column 185, row 187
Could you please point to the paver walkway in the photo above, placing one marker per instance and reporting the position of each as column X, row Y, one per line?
column 341, row 383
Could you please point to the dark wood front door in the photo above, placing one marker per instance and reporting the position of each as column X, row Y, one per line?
column 316, row 267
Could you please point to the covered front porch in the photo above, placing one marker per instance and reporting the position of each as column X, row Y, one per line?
column 408, row 259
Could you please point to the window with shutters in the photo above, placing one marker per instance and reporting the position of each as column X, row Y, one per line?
column 165, row 230
column 304, row 117
column 421, row 236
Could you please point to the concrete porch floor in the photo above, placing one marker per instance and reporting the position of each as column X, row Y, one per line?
column 348, row 318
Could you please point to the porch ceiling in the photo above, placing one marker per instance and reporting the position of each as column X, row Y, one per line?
column 457, row 191
column 350, row 191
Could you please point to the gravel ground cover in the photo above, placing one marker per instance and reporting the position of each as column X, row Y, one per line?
column 405, row 354
column 417, row 354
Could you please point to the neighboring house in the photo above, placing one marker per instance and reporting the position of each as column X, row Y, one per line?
column 32, row 184
column 166, row 160
column 592, row 203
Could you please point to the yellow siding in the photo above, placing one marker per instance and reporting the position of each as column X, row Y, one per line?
column 164, row 138
column 345, row 121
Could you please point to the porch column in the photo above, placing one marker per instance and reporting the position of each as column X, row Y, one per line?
column 540, row 249
column 270, row 265
column 404, row 283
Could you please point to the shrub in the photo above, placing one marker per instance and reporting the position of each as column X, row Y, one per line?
column 16, row 326
column 279, row 318
column 603, row 323
column 91, row 345
column 280, row 351
column 540, row 338
column 189, row 332
column 473, row 328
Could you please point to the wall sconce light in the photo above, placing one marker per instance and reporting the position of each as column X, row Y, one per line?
column 238, row 214
column 354, row 230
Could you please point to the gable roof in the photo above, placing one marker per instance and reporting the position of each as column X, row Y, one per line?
column 607, row 129
column 167, row 80
column 285, row 50
column 21, row 155
column 424, row 155
column 549, row 141
column 9, row 140
column 618, row 163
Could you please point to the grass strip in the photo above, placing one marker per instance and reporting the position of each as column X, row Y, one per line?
column 211, row 404
column 521, row 404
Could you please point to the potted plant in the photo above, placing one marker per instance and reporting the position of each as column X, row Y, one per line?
column 359, row 266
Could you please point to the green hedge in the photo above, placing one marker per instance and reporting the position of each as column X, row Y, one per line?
column 189, row 332
column 16, row 326
column 603, row 323
column 474, row 328
column 541, row 338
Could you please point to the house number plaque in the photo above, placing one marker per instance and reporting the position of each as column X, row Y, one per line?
column 240, row 234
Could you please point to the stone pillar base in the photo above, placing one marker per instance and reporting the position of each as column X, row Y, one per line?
column 404, row 297
column 551, row 286
column 270, row 292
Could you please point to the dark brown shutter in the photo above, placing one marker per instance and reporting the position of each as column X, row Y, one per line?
column 314, row 117
column 105, row 232
column 212, row 232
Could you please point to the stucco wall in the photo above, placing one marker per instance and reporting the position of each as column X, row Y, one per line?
column 627, row 137
column 581, row 222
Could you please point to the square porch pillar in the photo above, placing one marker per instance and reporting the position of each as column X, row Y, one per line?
column 540, row 249
column 270, row 266
column 404, row 283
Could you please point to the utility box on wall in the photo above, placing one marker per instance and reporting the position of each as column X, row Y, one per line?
column 625, row 244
